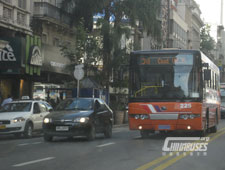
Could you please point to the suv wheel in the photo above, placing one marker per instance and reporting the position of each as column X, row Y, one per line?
column 108, row 130
column 28, row 131
column 91, row 133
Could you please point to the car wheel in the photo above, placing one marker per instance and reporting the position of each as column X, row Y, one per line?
column 48, row 138
column 91, row 133
column 108, row 131
column 144, row 134
column 28, row 132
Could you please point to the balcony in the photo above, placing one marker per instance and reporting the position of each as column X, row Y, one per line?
column 7, row 1
column 14, row 18
column 46, row 10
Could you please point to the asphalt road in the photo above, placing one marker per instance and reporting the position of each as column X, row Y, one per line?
column 126, row 150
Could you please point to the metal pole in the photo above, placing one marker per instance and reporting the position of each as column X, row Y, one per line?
column 78, row 82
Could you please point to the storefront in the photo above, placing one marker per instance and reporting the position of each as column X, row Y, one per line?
column 20, row 65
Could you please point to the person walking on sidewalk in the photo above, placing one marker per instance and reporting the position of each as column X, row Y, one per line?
column 7, row 100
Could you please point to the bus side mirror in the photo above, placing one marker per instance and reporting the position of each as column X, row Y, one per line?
column 207, row 74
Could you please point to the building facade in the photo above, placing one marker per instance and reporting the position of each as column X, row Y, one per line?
column 55, row 30
column 18, row 55
column 190, row 13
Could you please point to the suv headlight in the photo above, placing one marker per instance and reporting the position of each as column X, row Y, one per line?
column 18, row 119
column 47, row 120
column 81, row 119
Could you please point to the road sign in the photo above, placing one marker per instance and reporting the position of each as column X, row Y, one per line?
column 79, row 72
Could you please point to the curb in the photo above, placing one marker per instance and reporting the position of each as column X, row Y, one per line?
column 118, row 126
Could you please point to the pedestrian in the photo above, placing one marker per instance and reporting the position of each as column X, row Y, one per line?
column 7, row 100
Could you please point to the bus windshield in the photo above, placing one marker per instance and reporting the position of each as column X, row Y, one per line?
column 162, row 79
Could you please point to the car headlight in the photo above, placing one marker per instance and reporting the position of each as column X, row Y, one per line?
column 18, row 119
column 47, row 120
column 81, row 119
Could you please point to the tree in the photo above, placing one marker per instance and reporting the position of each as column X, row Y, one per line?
column 86, row 50
column 207, row 43
column 117, row 18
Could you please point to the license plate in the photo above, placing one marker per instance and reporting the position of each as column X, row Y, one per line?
column 2, row 127
column 62, row 128
column 164, row 127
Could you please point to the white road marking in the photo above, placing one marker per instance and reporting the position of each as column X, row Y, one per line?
column 23, row 144
column 106, row 144
column 35, row 161
column 35, row 143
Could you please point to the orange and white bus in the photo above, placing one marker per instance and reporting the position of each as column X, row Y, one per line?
column 172, row 90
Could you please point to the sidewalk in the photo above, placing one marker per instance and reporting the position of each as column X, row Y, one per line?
column 121, row 125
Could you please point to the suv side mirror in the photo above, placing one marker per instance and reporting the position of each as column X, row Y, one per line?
column 207, row 74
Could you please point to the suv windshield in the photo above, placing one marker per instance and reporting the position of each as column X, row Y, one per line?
column 17, row 107
column 76, row 104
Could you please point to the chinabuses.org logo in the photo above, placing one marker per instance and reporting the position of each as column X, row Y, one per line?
column 184, row 145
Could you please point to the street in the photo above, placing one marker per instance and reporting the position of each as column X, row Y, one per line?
column 126, row 150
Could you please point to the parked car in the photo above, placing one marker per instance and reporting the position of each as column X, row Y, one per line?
column 79, row 117
column 22, row 117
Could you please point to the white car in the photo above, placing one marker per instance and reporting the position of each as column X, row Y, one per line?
column 22, row 117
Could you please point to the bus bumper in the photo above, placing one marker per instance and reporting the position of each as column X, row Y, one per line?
column 162, row 125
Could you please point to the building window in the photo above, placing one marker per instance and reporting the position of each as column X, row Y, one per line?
column 56, row 42
column 21, row 18
column 44, row 38
column 7, row 13
column 22, row 4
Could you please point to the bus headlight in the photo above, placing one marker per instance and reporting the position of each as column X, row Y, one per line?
column 143, row 117
column 189, row 116
column 136, row 117
column 185, row 117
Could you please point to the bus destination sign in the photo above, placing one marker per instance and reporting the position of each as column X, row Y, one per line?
column 165, row 60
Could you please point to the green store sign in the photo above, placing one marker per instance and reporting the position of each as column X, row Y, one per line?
column 10, row 52
column 34, row 59
column 16, row 52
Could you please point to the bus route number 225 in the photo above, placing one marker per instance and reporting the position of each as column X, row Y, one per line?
column 185, row 105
